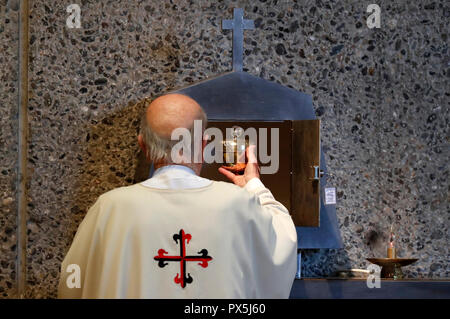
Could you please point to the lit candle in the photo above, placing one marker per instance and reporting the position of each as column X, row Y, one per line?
column 391, row 247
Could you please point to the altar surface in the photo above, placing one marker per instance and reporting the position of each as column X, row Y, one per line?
column 312, row 288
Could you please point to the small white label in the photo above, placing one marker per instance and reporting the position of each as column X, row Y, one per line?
column 330, row 196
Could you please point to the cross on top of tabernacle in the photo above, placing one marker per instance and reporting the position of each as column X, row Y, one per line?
column 238, row 25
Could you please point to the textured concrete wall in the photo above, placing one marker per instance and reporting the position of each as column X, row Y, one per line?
column 390, row 155
column 9, row 46
column 414, row 136
column 382, row 95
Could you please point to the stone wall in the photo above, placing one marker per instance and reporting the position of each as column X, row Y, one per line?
column 9, row 74
column 382, row 95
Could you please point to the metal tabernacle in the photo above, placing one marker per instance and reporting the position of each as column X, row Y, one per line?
column 240, row 97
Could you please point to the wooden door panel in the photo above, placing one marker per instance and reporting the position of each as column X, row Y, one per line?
column 305, row 204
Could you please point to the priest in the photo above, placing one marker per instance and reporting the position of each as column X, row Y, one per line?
column 178, row 235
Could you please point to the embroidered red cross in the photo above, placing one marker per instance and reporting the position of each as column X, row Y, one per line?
column 181, row 277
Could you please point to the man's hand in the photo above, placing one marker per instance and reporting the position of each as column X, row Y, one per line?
column 251, row 170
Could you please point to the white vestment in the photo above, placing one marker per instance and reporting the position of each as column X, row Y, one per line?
column 178, row 235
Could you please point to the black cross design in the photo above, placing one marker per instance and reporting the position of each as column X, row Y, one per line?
column 182, row 278
column 238, row 25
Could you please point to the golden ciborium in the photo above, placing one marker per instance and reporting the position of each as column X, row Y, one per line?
column 234, row 147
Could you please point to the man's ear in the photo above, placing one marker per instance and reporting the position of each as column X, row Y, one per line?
column 142, row 144
column 143, row 147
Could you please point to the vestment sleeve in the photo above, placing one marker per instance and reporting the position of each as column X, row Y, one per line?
column 275, row 244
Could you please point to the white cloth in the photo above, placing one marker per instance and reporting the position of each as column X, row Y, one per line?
column 175, row 177
column 249, row 239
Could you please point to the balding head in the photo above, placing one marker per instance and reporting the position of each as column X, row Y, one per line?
column 172, row 111
column 161, row 118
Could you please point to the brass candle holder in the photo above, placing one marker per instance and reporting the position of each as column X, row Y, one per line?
column 391, row 267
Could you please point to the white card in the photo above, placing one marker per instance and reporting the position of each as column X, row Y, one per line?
column 330, row 196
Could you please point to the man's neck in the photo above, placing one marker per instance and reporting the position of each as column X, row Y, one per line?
column 195, row 167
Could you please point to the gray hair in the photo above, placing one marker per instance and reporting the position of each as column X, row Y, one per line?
column 159, row 148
